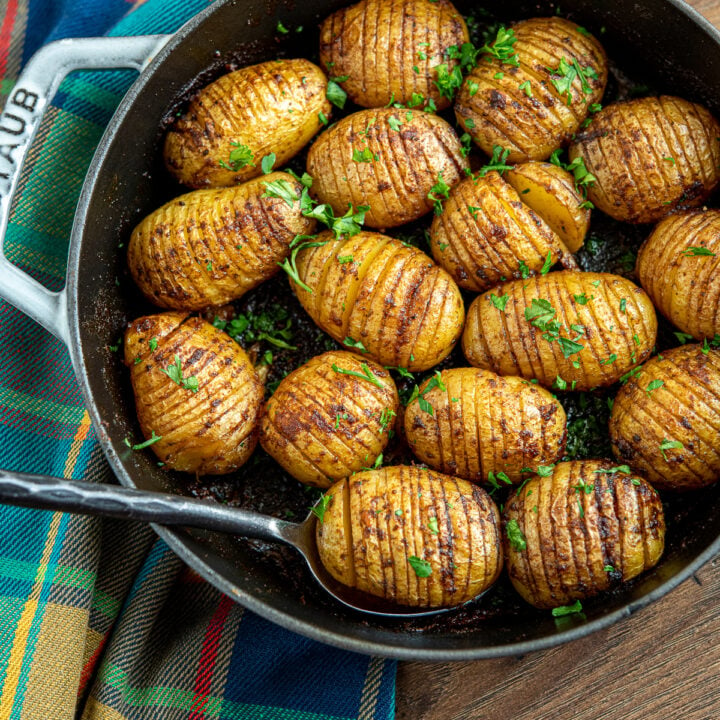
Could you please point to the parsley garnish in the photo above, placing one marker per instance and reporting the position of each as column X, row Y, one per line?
column 499, row 302
column 363, row 156
column 563, row 610
column 515, row 535
column 141, row 446
column 497, row 162
column 289, row 264
column 563, row 76
column 502, row 47
column 153, row 344
column 240, row 156
column 281, row 189
column 334, row 93
column 670, row 445
column 266, row 164
column 653, row 385
column 366, row 374
column 349, row 342
column 174, row 372
column 613, row 470
column 322, row 505
column 694, row 251
column 439, row 192
column 422, row 568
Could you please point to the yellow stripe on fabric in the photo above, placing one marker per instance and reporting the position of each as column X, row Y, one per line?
column 371, row 688
column 77, row 443
column 95, row 710
column 51, row 691
column 92, row 642
column 12, row 675
column 46, row 409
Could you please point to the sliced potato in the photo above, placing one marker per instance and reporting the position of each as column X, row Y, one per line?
column 208, row 247
column 582, row 530
column 411, row 536
column 570, row 330
column 483, row 427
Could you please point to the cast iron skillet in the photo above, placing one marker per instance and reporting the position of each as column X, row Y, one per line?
column 126, row 181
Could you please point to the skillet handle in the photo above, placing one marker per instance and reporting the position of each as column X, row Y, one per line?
column 19, row 122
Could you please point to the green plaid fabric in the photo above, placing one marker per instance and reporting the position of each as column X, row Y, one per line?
column 99, row 619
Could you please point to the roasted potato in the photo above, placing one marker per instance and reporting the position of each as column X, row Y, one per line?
column 380, row 297
column 196, row 392
column 584, row 529
column 551, row 192
column 571, row 330
column 411, row 536
column 665, row 420
column 209, row 247
column 394, row 161
column 234, row 122
column 486, row 235
column 535, row 100
column 483, row 427
column 650, row 157
column 679, row 268
column 409, row 39
column 330, row 418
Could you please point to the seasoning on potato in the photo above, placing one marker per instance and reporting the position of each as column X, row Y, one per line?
column 257, row 112
column 650, row 157
column 569, row 330
column 679, row 268
column 665, row 420
column 330, row 418
column 411, row 536
column 409, row 41
column 196, row 393
column 582, row 530
column 532, row 88
column 401, row 163
column 486, row 234
column 380, row 298
column 209, row 247
column 482, row 427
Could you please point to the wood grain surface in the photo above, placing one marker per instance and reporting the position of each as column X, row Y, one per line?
column 663, row 663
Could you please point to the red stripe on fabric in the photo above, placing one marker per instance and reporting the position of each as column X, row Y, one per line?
column 208, row 656
column 89, row 669
column 5, row 34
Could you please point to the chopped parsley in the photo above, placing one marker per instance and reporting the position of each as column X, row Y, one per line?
column 422, row 568
column 366, row 374
column 563, row 610
column 240, row 156
column 438, row 192
column 266, row 164
column 653, row 385
column 174, row 372
column 497, row 162
column 499, row 302
column 141, row 446
column 334, row 93
column 564, row 75
column 501, row 48
column 670, row 445
column 515, row 535
column 695, row 251
column 356, row 344
column 322, row 505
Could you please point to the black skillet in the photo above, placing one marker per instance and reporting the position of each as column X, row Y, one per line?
column 663, row 42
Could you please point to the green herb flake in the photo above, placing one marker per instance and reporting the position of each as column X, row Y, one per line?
column 670, row 445
column 547, row 264
column 363, row 156
column 174, row 372
column 695, row 251
column 239, row 157
column 501, row 48
column 281, row 189
column 322, row 505
column 153, row 344
column 433, row 526
column 334, row 93
column 349, row 342
column 499, row 302
column 141, row 446
column 497, row 162
column 366, row 374
column 515, row 535
column 422, row 568
column 439, row 192
column 614, row 470
column 564, row 610
column 267, row 163
column 653, row 385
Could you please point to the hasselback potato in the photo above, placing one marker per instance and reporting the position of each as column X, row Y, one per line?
column 567, row 329
column 195, row 391
column 679, row 268
column 479, row 426
column 330, row 417
column 387, row 159
column 209, row 247
column 486, row 235
column 665, row 421
column 237, row 120
column 409, row 39
column 650, row 157
column 412, row 536
column 582, row 530
column 534, row 101
column 381, row 297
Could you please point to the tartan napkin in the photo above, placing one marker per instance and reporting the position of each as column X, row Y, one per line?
column 99, row 619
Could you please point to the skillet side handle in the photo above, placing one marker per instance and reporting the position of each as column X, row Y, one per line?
column 19, row 122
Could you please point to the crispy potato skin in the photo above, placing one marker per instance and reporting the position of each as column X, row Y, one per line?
column 484, row 423
column 208, row 432
column 550, row 191
column 377, row 520
column 485, row 231
column 406, row 164
column 508, row 343
column 322, row 425
column 208, row 247
column 270, row 107
column 403, row 35
column 567, row 551
column 392, row 298
column 650, row 157
column 685, row 408
column 684, row 287
column 497, row 111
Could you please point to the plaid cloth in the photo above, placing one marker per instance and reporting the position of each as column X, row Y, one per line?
column 99, row 619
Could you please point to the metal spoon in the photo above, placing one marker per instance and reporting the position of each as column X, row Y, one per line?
column 50, row 493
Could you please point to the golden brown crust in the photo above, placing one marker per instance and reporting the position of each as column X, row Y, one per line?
column 665, row 420
column 493, row 104
column 584, row 530
column 482, row 423
column 405, row 310
column 323, row 424
column 210, row 430
column 208, row 247
column 270, row 108
column 615, row 325
column 388, row 49
column 362, row 160
column 650, row 157
column 378, row 520
column 683, row 283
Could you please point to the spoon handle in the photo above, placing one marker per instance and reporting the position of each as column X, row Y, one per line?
column 49, row 493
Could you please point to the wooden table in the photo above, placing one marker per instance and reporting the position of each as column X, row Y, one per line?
column 663, row 663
